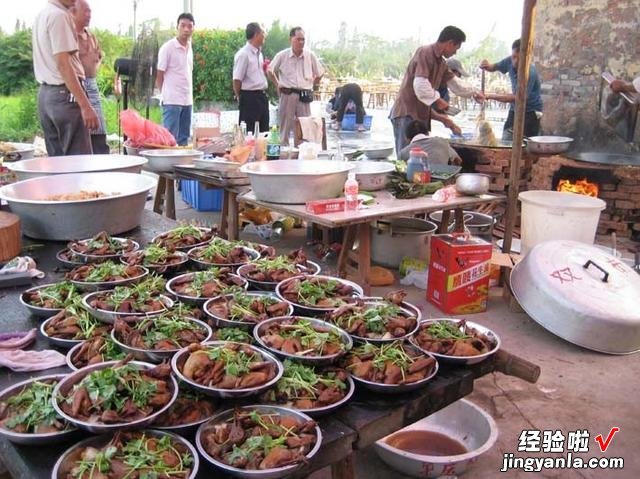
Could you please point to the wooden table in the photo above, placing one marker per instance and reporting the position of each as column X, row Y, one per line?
column 366, row 418
column 164, row 200
column 357, row 222
column 231, row 189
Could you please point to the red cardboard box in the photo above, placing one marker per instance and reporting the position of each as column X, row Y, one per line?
column 459, row 268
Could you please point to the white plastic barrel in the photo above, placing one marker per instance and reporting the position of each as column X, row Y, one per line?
column 555, row 215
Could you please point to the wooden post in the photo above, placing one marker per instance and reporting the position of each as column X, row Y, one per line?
column 526, row 45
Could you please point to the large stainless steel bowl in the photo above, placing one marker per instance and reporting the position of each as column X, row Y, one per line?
column 378, row 151
column 296, row 182
column 59, row 165
column 550, row 145
column 178, row 360
column 102, row 285
column 472, row 183
column 463, row 421
column 33, row 439
column 39, row 311
column 164, row 160
column 263, row 473
column 63, row 467
column 202, row 264
column 373, row 175
column 325, row 360
column 158, row 355
column 99, row 258
column 193, row 300
column 65, row 220
column 21, row 151
column 64, row 387
column 59, row 342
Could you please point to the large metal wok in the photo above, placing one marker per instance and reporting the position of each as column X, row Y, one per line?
column 582, row 294
column 58, row 165
column 297, row 181
column 64, row 220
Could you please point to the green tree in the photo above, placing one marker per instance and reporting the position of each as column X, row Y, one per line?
column 16, row 64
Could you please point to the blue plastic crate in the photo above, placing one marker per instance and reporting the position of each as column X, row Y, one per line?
column 201, row 198
column 349, row 121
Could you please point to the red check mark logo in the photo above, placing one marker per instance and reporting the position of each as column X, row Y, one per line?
column 604, row 444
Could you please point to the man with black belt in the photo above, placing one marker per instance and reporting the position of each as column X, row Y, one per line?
column 295, row 73
column 65, row 112
column 250, row 81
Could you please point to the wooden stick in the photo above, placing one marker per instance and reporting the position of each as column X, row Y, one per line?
column 526, row 45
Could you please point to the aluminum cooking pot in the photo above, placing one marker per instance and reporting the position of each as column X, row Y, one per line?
column 399, row 237
column 582, row 294
column 477, row 224
column 472, row 183
column 549, row 145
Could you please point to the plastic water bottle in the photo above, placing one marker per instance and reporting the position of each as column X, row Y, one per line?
column 351, row 192
column 273, row 144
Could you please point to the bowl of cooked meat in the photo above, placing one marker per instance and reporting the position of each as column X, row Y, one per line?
column 98, row 349
column 129, row 455
column 235, row 335
column 130, row 303
column 107, row 275
column 77, row 205
column 266, row 442
column 185, row 237
column 225, row 369
column 48, row 299
column 188, row 411
column 375, row 320
column 68, row 258
column 157, row 338
column 102, row 247
column 266, row 273
column 222, row 253
column 245, row 309
column 71, row 326
column 196, row 288
column 107, row 397
column 307, row 340
column 156, row 258
column 314, row 391
column 390, row 367
column 456, row 341
column 27, row 415
column 317, row 295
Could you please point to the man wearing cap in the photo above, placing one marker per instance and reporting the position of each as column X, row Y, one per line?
column 458, row 70
column 65, row 112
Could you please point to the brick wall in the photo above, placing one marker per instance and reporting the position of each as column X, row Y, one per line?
column 575, row 41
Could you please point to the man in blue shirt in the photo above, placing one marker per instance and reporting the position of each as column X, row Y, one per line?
column 534, row 101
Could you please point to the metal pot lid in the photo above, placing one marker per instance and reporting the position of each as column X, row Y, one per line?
column 582, row 294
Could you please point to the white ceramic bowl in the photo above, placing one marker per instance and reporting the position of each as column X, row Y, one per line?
column 462, row 421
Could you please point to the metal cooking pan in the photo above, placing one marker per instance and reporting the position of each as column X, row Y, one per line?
column 606, row 158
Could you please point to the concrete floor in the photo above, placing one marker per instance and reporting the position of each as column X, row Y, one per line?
column 577, row 390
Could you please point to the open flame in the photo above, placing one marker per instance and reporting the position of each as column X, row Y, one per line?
column 581, row 187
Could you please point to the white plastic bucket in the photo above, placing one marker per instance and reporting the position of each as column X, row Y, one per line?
column 555, row 215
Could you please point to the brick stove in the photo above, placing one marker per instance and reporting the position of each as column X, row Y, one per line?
column 618, row 185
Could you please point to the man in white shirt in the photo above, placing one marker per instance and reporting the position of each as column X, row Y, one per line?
column 250, row 81
column 65, row 112
column 174, row 79
column 295, row 73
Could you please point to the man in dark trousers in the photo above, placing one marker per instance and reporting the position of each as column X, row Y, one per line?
column 65, row 112
column 533, row 108
column 250, row 81
column 351, row 92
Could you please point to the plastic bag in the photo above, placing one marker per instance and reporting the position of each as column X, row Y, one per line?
column 445, row 194
column 416, row 278
column 142, row 132
column 21, row 264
